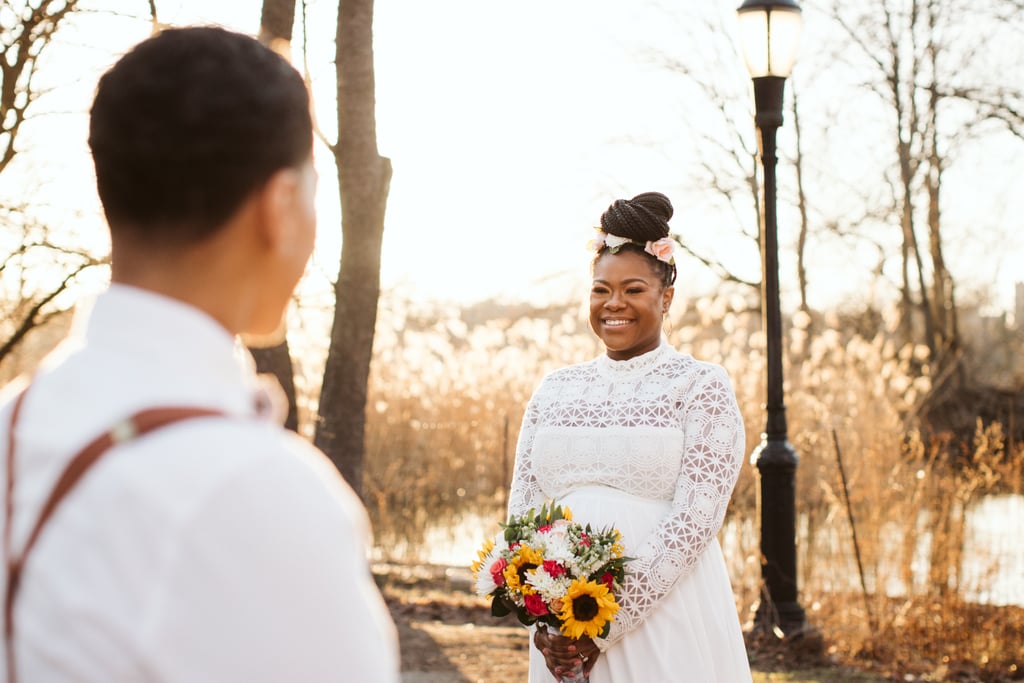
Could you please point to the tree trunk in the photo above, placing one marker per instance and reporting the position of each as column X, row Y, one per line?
column 277, row 361
column 276, row 33
column 801, row 243
column 904, row 199
column 276, row 22
column 364, row 178
column 907, row 135
column 942, row 281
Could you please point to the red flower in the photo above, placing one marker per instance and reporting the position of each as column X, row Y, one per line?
column 535, row 605
column 497, row 570
column 585, row 540
column 554, row 569
column 544, row 529
column 608, row 580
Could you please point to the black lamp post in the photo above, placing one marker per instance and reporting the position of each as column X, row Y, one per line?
column 769, row 33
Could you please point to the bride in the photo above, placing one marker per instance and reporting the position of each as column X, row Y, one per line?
column 649, row 441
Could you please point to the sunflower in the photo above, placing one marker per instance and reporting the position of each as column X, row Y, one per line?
column 587, row 607
column 524, row 560
column 481, row 555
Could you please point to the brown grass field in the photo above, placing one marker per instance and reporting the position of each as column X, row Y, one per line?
column 907, row 602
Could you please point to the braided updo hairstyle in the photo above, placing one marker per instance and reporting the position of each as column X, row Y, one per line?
column 644, row 218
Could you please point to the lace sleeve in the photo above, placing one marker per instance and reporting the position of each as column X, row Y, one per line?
column 525, row 491
column 711, row 460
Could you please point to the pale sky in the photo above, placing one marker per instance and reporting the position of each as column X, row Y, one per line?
column 510, row 129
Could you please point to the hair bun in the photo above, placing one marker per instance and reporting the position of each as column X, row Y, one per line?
column 643, row 218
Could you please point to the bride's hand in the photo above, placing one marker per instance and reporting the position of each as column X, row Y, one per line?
column 562, row 654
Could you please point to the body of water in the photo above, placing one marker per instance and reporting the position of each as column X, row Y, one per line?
column 992, row 570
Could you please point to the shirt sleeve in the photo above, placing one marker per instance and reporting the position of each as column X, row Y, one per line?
column 714, row 439
column 269, row 581
column 526, row 491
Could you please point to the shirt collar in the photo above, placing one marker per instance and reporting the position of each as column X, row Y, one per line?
column 176, row 344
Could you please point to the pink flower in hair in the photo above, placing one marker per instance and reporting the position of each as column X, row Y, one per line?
column 663, row 249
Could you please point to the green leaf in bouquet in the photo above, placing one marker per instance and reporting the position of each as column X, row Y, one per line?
column 499, row 608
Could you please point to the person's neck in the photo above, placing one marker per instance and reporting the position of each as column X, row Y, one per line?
column 203, row 281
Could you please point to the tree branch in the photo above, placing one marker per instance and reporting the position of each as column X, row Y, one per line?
column 31, row 319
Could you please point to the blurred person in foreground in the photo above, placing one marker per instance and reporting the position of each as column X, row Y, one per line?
column 649, row 441
column 218, row 546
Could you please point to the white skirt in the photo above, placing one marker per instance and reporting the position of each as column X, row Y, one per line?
column 693, row 636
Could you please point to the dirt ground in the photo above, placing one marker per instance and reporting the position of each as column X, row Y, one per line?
column 445, row 630
column 447, row 634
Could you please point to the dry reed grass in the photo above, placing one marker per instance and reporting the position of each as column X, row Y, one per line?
column 448, row 388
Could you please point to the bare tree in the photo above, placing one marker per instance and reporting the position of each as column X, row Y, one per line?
column 26, row 305
column 934, row 77
column 30, row 313
column 364, row 178
column 725, row 151
column 23, row 43
column 801, row 194
column 276, row 22
column 718, row 117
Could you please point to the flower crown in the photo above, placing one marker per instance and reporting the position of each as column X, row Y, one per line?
column 662, row 249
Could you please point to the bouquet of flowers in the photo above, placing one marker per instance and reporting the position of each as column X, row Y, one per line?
column 547, row 569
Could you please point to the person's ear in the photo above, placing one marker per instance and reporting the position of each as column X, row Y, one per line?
column 666, row 299
column 278, row 202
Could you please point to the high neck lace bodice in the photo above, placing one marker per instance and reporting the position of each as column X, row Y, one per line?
column 637, row 364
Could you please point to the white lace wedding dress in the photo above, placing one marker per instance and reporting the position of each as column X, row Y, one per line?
column 652, row 446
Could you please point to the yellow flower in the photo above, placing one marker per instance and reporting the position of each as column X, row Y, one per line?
column 481, row 555
column 525, row 560
column 587, row 607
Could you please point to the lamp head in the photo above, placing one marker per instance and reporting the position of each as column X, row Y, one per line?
column 769, row 36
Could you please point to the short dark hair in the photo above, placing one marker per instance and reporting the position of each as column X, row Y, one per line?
column 188, row 124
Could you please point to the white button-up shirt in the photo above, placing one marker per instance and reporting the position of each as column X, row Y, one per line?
column 215, row 549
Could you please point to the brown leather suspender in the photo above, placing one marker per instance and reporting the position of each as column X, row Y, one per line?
column 133, row 427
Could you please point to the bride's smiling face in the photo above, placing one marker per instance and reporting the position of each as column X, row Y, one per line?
column 627, row 304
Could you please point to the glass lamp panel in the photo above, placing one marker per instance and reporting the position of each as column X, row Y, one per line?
column 753, row 28
column 784, row 39
column 769, row 38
